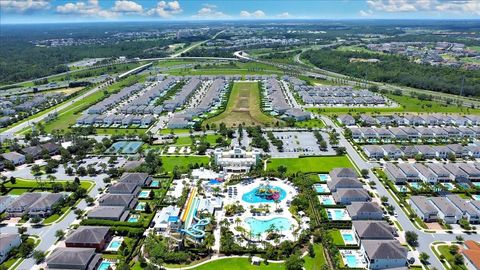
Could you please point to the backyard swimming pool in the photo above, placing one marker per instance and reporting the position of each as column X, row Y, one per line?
column 415, row 185
column 155, row 183
column 476, row 184
column 337, row 214
column 401, row 188
column 324, row 177
column 115, row 244
column 348, row 237
column 261, row 226
column 253, row 197
column 321, row 188
column 476, row 197
column 140, row 206
column 449, row 186
column 133, row 218
column 104, row 265
column 144, row 194
column 326, row 200
column 351, row 260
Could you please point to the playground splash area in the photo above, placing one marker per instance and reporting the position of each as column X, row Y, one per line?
column 269, row 200
column 124, row 147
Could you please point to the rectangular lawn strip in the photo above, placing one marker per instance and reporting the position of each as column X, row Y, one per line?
column 337, row 237
column 317, row 262
column 243, row 107
column 169, row 162
column 312, row 123
column 24, row 185
column 239, row 264
column 174, row 131
column 310, row 164
column 406, row 104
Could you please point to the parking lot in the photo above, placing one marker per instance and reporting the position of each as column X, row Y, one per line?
column 298, row 143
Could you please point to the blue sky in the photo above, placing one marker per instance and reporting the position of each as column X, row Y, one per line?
column 46, row 11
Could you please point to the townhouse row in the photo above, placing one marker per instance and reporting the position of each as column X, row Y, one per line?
column 394, row 152
column 409, row 120
column 432, row 173
column 450, row 208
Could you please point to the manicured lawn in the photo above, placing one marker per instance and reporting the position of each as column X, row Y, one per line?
column 337, row 237
column 243, row 107
column 187, row 140
column 175, row 131
column 239, row 264
column 448, row 256
column 310, row 164
column 406, row 104
column 169, row 162
column 312, row 123
column 23, row 185
column 318, row 261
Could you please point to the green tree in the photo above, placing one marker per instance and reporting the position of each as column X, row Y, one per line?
column 294, row 262
column 424, row 257
column 39, row 256
column 411, row 238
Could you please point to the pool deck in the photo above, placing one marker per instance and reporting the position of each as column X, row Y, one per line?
column 290, row 194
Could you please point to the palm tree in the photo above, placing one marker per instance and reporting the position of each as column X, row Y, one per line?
column 237, row 221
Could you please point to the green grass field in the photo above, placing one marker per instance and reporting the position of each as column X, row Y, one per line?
column 337, row 237
column 443, row 249
column 310, row 164
column 317, row 262
column 312, row 123
column 121, row 131
column 406, row 104
column 169, row 162
column 23, row 185
column 239, row 264
column 243, row 107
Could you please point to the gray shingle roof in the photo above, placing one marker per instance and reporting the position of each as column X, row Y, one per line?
column 384, row 249
column 88, row 235
column 367, row 229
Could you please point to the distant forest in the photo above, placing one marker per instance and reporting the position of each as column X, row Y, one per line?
column 398, row 70
column 21, row 60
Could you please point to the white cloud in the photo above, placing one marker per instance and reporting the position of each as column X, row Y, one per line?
column 366, row 13
column 165, row 9
column 90, row 8
column 456, row 6
column 125, row 6
column 284, row 15
column 23, row 6
column 255, row 14
column 209, row 11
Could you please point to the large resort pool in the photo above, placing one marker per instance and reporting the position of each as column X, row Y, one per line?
column 261, row 226
column 264, row 194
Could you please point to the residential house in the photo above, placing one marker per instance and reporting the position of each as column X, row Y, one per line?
column 410, row 172
column 89, row 237
column 392, row 151
column 383, row 254
column 396, row 175
column 43, row 207
column 140, row 179
column 446, row 210
column 346, row 119
column 423, row 208
column 14, row 157
column 373, row 151
column 472, row 172
column 22, row 203
column 124, row 188
column 456, row 173
column 426, row 151
column 373, row 229
column 346, row 196
column 116, row 213
column 365, row 211
column 8, row 241
column 343, row 182
column 425, row 174
column 468, row 211
column 73, row 258
column 5, row 201
column 128, row 201
column 471, row 252
column 442, row 174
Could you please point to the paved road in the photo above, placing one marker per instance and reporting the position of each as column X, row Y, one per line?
column 195, row 45
column 424, row 239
